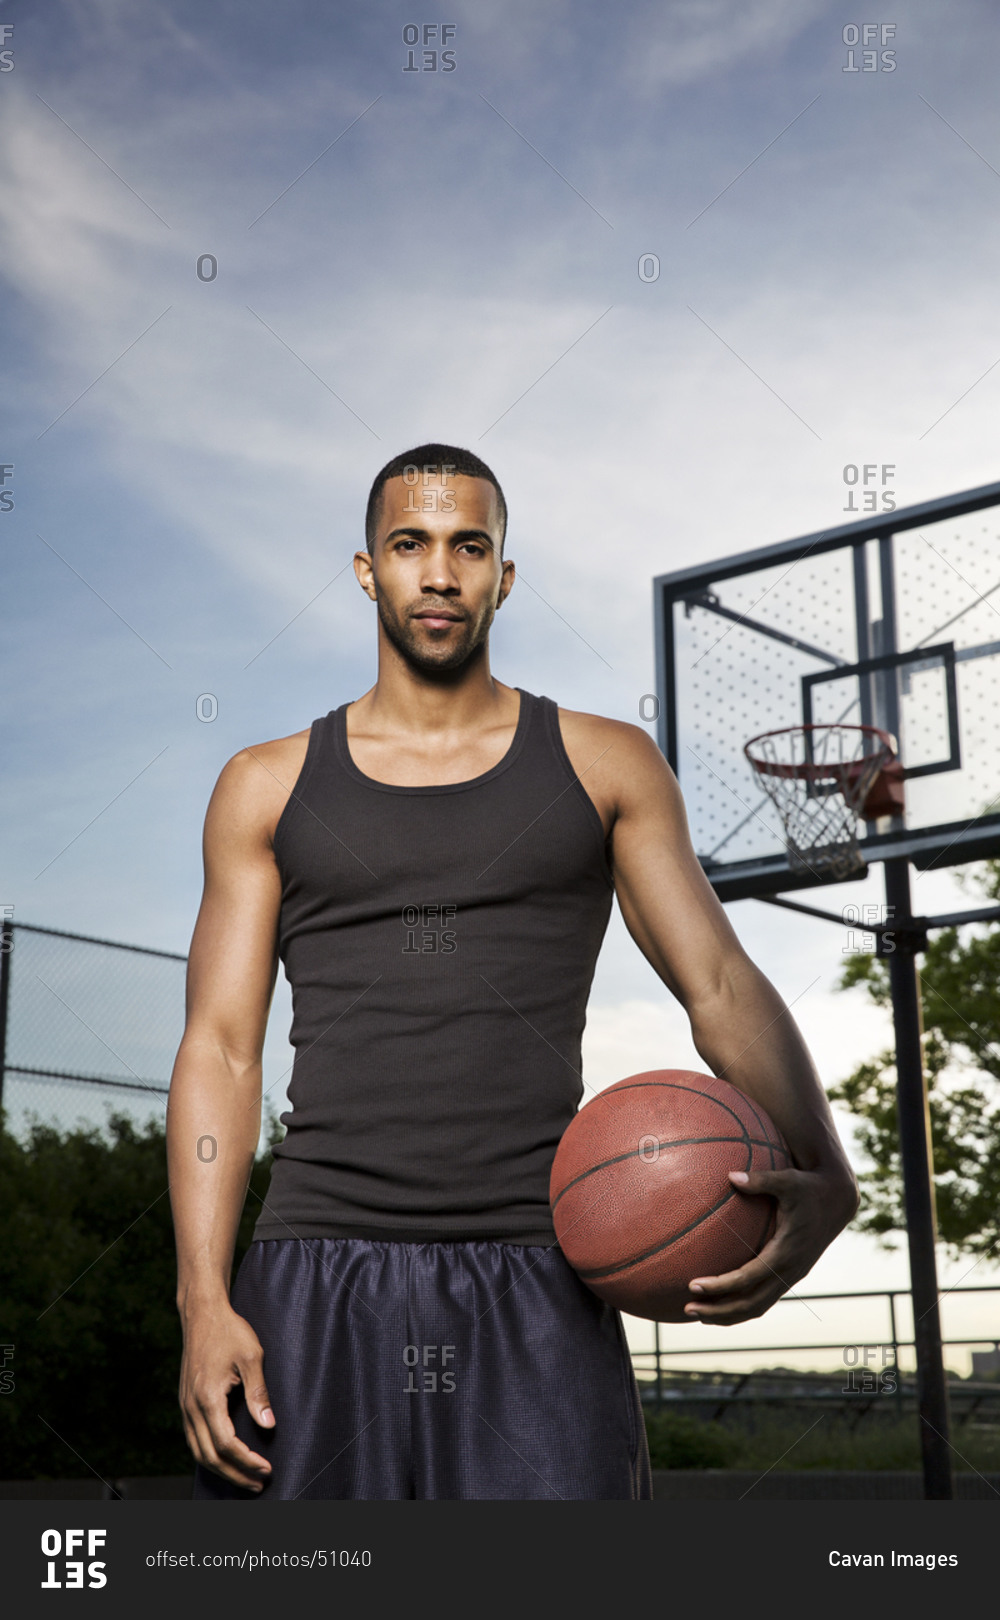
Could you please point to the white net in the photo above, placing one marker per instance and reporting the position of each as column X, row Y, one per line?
column 818, row 778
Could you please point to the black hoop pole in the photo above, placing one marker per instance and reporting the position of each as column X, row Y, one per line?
column 6, row 949
column 918, row 1187
column 911, row 1098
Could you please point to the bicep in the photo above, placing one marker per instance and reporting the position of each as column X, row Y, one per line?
column 233, row 960
column 667, row 902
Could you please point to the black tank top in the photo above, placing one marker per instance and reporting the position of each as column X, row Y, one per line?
column 440, row 943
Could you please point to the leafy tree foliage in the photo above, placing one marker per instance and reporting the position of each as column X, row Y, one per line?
column 87, row 1290
column 960, row 984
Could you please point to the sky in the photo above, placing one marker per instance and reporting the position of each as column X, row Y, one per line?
column 668, row 269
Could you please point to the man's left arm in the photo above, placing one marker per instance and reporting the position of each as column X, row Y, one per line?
column 739, row 1023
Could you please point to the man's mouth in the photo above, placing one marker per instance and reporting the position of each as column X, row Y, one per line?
column 437, row 618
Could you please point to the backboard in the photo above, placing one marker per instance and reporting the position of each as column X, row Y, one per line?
column 893, row 621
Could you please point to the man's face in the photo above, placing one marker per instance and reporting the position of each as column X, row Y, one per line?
column 435, row 570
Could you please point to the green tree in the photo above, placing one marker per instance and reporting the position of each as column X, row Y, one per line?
column 87, row 1287
column 961, row 1046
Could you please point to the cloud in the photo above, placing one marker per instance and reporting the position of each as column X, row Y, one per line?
column 689, row 41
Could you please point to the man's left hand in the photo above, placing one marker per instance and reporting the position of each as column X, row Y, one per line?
column 813, row 1207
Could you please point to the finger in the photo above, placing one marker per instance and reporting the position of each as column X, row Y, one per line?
column 720, row 1290
column 193, row 1443
column 230, row 1468
column 255, row 1392
column 775, row 1260
column 200, row 1440
column 231, row 1449
column 234, row 1476
column 733, row 1315
column 228, row 1450
column 712, row 1304
column 753, row 1275
column 780, row 1253
column 737, row 1305
column 773, row 1183
column 196, row 1435
column 776, row 1264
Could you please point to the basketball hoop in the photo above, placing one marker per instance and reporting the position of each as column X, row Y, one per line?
column 823, row 779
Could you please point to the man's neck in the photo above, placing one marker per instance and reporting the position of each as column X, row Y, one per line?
column 414, row 702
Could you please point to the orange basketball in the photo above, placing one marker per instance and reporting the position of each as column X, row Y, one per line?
column 640, row 1191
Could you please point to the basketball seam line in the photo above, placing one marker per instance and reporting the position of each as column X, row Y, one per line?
column 681, row 1141
column 673, row 1085
column 760, row 1122
column 623, row 1265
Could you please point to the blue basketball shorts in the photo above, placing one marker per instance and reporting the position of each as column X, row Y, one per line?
column 481, row 1371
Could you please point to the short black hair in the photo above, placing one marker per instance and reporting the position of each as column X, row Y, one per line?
column 436, row 456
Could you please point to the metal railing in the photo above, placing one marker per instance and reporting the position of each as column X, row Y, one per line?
column 85, row 1022
column 670, row 1385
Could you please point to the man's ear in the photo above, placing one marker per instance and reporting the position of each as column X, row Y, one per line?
column 365, row 573
column 507, row 578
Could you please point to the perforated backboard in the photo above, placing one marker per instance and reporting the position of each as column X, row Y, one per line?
column 893, row 622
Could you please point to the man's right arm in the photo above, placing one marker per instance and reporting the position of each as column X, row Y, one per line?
column 214, row 1112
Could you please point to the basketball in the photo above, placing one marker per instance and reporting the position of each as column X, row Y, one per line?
column 640, row 1191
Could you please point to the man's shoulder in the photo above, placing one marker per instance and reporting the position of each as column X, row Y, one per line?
column 618, row 763
column 272, row 755
column 257, row 761
column 256, row 782
column 599, row 731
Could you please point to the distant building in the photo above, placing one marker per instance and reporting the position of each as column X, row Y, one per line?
column 986, row 1363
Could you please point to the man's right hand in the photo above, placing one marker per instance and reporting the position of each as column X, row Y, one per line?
column 222, row 1350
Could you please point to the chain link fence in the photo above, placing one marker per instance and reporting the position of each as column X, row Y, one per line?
column 88, row 1027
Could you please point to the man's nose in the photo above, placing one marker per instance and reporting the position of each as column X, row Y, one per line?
column 438, row 573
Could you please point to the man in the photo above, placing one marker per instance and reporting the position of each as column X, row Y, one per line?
column 435, row 865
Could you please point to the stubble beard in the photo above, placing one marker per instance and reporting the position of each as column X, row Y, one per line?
column 425, row 657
